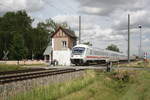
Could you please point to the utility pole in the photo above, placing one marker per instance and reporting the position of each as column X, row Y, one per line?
column 140, row 48
column 79, row 29
column 128, row 38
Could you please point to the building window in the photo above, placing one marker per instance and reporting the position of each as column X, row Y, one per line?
column 64, row 43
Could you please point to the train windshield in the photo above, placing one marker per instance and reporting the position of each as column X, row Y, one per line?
column 78, row 50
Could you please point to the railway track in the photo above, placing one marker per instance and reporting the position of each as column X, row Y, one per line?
column 19, row 75
column 20, row 71
column 13, row 76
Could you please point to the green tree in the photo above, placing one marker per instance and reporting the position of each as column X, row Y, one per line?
column 15, row 25
column 87, row 43
column 113, row 47
column 50, row 25
column 11, row 23
column 17, row 49
column 38, row 40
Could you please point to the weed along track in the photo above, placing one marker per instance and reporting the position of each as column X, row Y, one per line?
column 13, row 83
column 14, row 76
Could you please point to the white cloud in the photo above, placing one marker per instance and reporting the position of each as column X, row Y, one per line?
column 91, row 10
column 146, row 40
column 13, row 5
column 103, row 21
column 92, row 32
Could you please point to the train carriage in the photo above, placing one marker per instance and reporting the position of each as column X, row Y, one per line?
column 84, row 54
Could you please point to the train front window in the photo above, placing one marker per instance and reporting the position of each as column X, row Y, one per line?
column 78, row 50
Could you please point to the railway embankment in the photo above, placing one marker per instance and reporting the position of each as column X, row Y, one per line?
column 96, row 85
column 13, row 88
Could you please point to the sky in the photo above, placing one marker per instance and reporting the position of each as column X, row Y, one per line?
column 104, row 22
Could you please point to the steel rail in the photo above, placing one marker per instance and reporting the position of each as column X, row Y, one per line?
column 14, row 78
column 21, row 71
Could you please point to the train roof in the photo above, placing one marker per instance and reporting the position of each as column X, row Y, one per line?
column 97, row 49
column 81, row 45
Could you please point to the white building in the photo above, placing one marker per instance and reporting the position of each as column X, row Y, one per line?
column 62, row 42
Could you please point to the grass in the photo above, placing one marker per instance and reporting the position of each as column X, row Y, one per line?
column 4, row 67
column 55, row 91
column 105, row 87
column 138, row 64
column 116, row 86
column 140, row 89
column 34, row 65
column 122, row 85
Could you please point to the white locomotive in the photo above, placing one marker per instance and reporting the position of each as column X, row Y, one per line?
column 84, row 54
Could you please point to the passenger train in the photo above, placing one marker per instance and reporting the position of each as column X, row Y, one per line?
column 84, row 54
